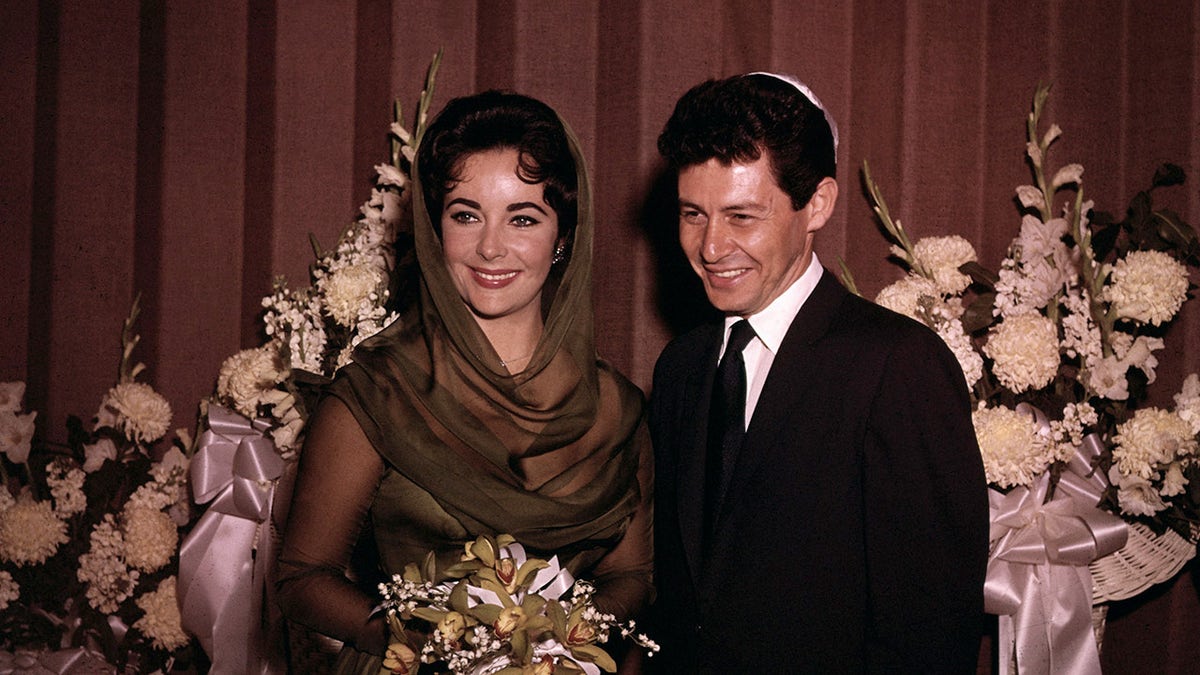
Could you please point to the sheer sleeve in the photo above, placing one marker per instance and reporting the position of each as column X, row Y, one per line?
column 624, row 576
column 339, row 474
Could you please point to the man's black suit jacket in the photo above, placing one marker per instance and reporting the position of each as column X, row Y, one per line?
column 854, row 535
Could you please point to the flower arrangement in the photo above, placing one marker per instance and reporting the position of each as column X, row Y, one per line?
column 312, row 330
column 499, row 611
column 89, row 532
column 1070, row 325
column 1058, row 347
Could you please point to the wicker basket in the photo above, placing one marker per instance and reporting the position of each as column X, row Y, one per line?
column 1145, row 560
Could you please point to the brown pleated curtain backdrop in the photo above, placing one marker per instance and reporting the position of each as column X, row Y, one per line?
column 185, row 151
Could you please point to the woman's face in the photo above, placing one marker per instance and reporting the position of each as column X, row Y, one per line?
column 498, row 237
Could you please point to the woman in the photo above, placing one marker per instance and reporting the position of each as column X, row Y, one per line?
column 485, row 409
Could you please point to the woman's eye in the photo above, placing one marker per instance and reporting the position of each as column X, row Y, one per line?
column 524, row 221
column 463, row 217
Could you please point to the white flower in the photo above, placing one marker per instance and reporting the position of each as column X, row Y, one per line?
column 97, row 453
column 162, row 622
column 350, row 291
column 1013, row 448
column 30, row 532
column 941, row 257
column 150, row 539
column 249, row 374
column 11, row 395
column 16, row 435
column 1071, row 174
column 907, row 295
column 1173, row 480
column 390, row 175
column 1139, row 353
column 1187, row 402
column 959, row 342
column 1106, row 378
column 1150, row 440
column 1025, row 351
column 1031, row 197
column 1147, row 286
column 1039, row 239
column 1135, row 495
column 9, row 590
column 103, row 570
column 66, row 486
column 142, row 413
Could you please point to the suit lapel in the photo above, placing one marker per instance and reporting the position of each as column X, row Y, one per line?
column 692, row 442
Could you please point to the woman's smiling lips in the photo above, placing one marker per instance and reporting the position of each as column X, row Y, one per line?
column 493, row 278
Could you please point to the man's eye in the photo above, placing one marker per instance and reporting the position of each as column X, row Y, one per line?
column 691, row 216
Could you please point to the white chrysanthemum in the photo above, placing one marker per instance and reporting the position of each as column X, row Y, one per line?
column 1150, row 440
column 941, row 257
column 162, row 622
column 66, row 486
column 1187, row 402
column 102, row 569
column 30, row 532
column 11, row 395
column 247, row 375
column 1024, row 350
column 906, row 295
column 959, row 342
column 150, row 539
column 9, row 589
column 142, row 413
column 1013, row 449
column 1147, row 286
column 16, row 435
column 1135, row 495
column 349, row 292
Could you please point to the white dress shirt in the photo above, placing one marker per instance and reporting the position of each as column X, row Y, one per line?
column 770, row 326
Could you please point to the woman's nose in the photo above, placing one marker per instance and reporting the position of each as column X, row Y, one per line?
column 491, row 243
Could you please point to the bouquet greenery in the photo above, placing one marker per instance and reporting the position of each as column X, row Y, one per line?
column 499, row 611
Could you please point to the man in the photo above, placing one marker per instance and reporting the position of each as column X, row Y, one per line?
column 821, row 503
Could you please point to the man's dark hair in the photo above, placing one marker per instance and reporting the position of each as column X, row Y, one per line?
column 496, row 120
column 739, row 118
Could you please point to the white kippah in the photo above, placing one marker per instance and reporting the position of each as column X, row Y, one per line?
column 803, row 89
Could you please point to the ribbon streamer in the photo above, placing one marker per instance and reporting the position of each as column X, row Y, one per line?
column 1037, row 576
column 223, row 562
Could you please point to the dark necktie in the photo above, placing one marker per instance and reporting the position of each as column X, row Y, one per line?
column 726, row 421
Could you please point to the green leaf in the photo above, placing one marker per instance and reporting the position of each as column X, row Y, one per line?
column 978, row 315
column 558, row 617
column 1169, row 174
column 486, row 613
column 595, row 655
column 429, row 614
column 980, row 274
column 530, row 568
column 522, row 652
column 458, row 598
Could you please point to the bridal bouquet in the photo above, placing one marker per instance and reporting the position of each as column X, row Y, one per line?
column 500, row 612
column 1059, row 347
column 89, row 533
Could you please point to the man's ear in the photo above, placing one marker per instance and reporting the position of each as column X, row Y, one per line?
column 820, row 205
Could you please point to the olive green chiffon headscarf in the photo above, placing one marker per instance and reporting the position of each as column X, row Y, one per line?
column 547, row 454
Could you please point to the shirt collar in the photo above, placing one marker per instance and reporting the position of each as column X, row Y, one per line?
column 772, row 323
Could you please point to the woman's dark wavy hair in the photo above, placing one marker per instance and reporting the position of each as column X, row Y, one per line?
column 496, row 120
column 739, row 118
